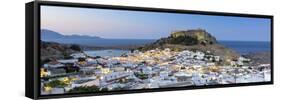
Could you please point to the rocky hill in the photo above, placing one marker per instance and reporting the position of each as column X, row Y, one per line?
column 196, row 39
column 52, row 51
column 191, row 37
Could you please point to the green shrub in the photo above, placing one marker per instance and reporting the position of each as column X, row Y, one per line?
column 56, row 83
column 75, row 47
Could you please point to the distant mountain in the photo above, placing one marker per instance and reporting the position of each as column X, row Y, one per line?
column 49, row 35
column 52, row 36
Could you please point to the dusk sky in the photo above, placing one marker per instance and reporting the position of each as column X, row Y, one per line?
column 149, row 25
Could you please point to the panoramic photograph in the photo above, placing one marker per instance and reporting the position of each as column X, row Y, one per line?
column 87, row 50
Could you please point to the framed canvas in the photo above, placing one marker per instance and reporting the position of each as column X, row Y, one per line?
column 79, row 49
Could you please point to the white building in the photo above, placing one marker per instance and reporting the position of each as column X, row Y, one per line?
column 78, row 55
column 146, row 70
column 53, row 65
column 199, row 55
column 164, row 75
column 217, row 58
column 117, row 75
column 68, row 61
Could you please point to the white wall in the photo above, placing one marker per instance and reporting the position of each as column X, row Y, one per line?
column 12, row 49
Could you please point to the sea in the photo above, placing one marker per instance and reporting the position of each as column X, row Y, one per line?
column 245, row 47
column 242, row 47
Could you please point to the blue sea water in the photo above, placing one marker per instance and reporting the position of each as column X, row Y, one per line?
column 244, row 47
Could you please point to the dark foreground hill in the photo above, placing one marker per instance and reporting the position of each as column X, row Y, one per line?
column 53, row 51
column 195, row 40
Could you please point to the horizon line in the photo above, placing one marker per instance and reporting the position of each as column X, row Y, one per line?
column 100, row 37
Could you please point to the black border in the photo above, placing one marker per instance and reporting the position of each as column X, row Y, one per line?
column 37, row 26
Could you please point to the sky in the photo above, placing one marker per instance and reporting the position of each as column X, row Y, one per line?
column 121, row 24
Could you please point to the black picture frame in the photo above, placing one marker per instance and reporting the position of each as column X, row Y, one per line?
column 32, row 72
